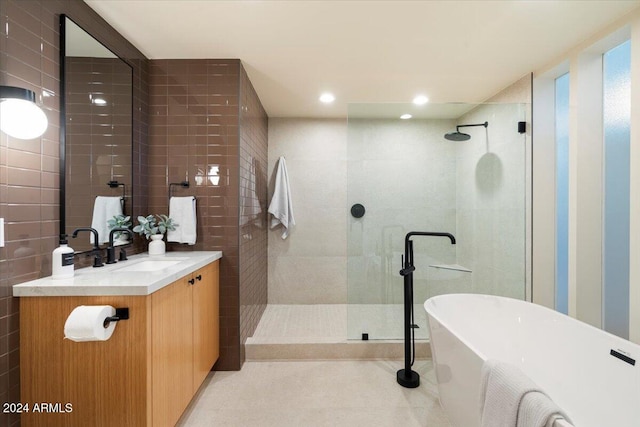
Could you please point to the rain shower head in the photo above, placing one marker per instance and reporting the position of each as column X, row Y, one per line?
column 459, row 136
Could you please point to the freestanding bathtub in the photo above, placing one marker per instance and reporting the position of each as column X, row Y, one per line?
column 592, row 375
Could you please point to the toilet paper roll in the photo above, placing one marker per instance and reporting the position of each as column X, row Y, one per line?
column 86, row 323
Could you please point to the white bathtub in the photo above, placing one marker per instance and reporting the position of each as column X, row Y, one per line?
column 568, row 359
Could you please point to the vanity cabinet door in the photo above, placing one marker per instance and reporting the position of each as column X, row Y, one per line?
column 172, row 351
column 206, row 327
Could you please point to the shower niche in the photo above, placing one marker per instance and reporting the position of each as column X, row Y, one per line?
column 457, row 168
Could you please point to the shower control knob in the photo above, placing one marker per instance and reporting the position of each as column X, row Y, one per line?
column 357, row 210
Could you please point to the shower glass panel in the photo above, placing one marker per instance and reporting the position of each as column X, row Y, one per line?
column 408, row 177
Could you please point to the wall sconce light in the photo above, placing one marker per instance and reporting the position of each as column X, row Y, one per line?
column 20, row 117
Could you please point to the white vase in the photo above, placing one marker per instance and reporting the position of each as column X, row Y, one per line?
column 156, row 245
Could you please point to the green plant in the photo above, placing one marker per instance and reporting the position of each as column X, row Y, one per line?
column 119, row 221
column 151, row 225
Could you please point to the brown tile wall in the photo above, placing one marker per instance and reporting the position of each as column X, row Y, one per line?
column 253, row 209
column 29, row 170
column 194, row 116
column 98, row 137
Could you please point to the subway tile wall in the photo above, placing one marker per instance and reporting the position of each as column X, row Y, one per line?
column 253, row 209
column 195, row 135
column 29, row 170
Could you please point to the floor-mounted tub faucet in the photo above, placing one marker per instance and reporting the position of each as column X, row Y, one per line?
column 407, row 377
column 97, row 258
column 111, row 250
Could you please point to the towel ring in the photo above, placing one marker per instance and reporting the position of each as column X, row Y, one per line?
column 116, row 184
column 184, row 184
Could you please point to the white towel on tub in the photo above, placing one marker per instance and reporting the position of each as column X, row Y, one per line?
column 511, row 399
column 538, row 410
column 281, row 206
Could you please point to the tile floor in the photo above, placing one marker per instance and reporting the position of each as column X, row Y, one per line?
column 316, row 393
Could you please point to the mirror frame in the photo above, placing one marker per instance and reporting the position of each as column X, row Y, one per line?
column 63, row 127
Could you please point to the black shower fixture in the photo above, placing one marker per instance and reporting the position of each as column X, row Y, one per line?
column 459, row 136
column 522, row 127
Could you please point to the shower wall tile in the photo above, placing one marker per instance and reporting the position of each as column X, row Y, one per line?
column 492, row 183
column 307, row 279
column 29, row 170
column 309, row 267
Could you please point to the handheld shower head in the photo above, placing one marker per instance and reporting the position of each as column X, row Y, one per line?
column 459, row 136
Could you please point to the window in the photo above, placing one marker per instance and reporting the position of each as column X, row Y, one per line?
column 562, row 192
column 616, row 143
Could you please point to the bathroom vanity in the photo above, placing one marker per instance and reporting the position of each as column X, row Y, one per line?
column 146, row 373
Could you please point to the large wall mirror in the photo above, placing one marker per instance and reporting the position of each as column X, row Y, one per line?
column 96, row 135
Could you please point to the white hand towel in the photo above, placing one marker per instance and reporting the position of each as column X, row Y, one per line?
column 281, row 206
column 104, row 209
column 183, row 212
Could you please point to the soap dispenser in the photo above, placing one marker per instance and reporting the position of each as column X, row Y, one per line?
column 62, row 259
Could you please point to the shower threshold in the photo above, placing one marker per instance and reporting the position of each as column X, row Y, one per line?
column 319, row 332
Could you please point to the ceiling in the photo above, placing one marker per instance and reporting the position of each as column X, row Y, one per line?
column 365, row 51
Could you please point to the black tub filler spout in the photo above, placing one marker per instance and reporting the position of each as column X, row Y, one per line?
column 407, row 377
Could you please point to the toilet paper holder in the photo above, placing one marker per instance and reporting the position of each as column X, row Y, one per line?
column 121, row 314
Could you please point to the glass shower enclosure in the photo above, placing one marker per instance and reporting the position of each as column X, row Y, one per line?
column 403, row 175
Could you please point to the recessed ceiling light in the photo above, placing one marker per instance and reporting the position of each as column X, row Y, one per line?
column 327, row 98
column 420, row 100
column 99, row 101
column 406, row 116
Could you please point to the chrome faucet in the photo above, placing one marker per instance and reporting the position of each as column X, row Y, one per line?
column 111, row 250
column 97, row 260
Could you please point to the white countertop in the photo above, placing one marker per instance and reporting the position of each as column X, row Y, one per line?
column 121, row 278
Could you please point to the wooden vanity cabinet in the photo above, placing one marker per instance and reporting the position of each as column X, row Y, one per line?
column 181, row 361
column 206, row 322
column 144, row 375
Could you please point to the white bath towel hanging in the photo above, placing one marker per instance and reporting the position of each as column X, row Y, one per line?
column 183, row 212
column 281, row 206
column 104, row 209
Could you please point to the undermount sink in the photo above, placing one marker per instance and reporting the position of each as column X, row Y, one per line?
column 150, row 265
